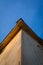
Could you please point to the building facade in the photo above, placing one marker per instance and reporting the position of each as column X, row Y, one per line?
column 21, row 47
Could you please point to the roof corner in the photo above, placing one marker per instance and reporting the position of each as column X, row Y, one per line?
column 20, row 20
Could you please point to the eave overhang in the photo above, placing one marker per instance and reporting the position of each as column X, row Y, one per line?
column 19, row 25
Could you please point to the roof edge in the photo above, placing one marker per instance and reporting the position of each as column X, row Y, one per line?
column 20, row 24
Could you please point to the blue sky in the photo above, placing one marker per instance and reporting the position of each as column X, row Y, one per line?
column 30, row 10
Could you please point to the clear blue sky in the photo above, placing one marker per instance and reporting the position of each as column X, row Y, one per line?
column 30, row 10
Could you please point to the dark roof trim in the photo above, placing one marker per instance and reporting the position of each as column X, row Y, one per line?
column 19, row 25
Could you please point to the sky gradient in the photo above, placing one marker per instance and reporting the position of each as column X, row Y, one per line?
column 31, row 11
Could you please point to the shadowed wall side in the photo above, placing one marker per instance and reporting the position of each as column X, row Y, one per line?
column 31, row 53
